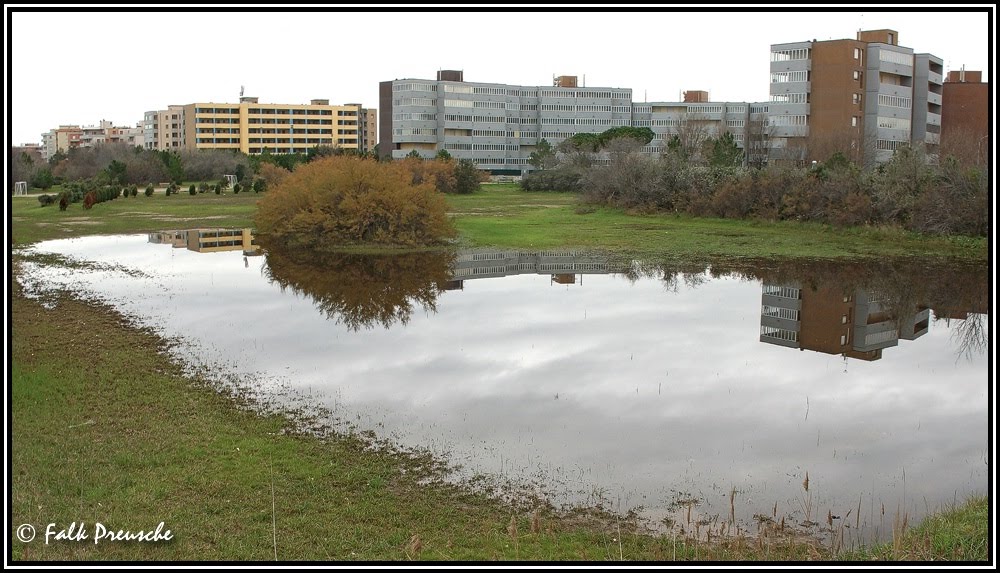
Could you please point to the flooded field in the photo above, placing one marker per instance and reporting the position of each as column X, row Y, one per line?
column 833, row 396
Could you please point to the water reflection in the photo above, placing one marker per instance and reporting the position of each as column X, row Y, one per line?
column 637, row 383
column 362, row 291
column 207, row 240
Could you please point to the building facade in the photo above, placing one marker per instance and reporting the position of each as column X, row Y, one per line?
column 163, row 130
column 965, row 116
column 864, row 97
column 252, row 127
column 367, row 129
column 499, row 126
column 61, row 139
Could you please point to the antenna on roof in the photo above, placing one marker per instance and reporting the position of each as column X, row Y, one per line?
column 241, row 91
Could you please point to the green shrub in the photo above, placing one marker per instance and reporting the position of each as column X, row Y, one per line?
column 346, row 200
column 149, row 190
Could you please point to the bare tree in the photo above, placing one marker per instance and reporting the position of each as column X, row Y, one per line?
column 755, row 141
column 690, row 139
column 968, row 147
column 972, row 335
column 848, row 142
column 24, row 163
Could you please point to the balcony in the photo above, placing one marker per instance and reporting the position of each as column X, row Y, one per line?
column 933, row 119
column 932, row 138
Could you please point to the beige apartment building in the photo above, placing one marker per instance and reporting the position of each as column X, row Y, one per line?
column 163, row 129
column 251, row 127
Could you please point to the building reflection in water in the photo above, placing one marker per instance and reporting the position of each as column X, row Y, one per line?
column 859, row 324
column 209, row 240
column 844, row 314
column 562, row 267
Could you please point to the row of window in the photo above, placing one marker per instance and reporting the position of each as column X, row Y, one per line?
column 894, row 123
column 790, row 98
column 788, row 55
column 895, row 57
column 483, row 90
column 414, row 131
column 424, row 101
column 271, row 111
column 781, row 291
column 779, row 333
column 888, row 144
column 895, row 101
column 299, row 140
column 258, row 121
column 779, row 312
column 414, row 87
column 784, row 77
column 787, row 120
column 704, row 109
column 416, row 117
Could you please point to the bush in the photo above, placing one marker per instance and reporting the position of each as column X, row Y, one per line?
column 218, row 189
column 236, row 188
column 63, row 201
column 259, row 185
column 149, row 190
column 89, row 199
column 192, row 190
column 563, row 178
column 347, row 200
column 46, row 200
column 202, row 187
column 134, row 191
column 468, row 179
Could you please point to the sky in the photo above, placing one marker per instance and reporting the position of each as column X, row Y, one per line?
column 79, row 66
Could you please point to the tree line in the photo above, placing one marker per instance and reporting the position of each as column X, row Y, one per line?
column 937, row 195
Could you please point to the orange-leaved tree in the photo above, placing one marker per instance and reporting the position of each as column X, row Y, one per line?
column 345, row 200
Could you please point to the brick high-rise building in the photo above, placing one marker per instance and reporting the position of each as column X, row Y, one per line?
column 863, row 97
column 965, row 120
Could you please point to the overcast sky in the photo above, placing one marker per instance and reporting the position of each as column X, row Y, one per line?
column 79, row 67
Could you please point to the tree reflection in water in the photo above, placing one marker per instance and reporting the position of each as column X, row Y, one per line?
column 362, row 290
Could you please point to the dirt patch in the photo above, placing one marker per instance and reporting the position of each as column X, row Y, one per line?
column 181, row 219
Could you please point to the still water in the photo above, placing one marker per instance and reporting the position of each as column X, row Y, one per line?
column 687, row 393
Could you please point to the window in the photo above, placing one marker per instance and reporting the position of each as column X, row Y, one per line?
column 854, row 123
column 857, row 53
column 891, row 39
column 856, row 98
column 857, row 75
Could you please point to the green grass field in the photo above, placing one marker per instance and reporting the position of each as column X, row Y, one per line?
column 503, row 216
column 107, row 429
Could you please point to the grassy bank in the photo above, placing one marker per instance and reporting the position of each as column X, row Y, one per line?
column 504, row 216
column 107, row 429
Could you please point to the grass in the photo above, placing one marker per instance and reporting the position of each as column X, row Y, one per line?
column 139, row 214
column 503, row 216
column 957, row 533
column 108, row 429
